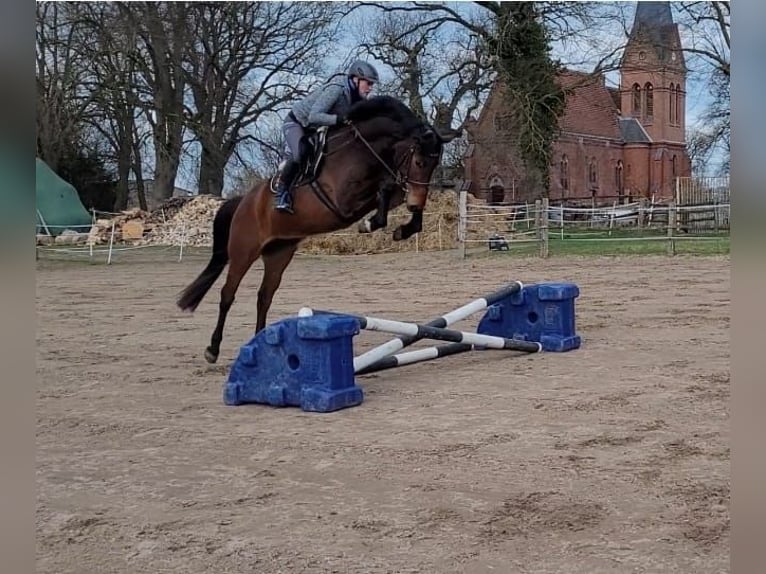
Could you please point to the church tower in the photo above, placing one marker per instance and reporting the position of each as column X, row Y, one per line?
column 653, row 74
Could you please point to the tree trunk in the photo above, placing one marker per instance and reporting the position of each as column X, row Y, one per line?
column 211, row 172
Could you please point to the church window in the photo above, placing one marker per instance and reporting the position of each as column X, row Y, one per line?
column 675, row 165
column 679, row 105
column 636, row 99
column 618, row 179
column 649, row 101
column 593, row 173
column 672, row 103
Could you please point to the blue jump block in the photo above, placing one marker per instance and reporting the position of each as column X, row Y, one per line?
column 544, row 313
column 300, row 361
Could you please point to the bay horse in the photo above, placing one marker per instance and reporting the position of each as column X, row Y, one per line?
column 383, row 147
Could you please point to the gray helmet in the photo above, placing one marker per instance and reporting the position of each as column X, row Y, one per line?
column 362, row 69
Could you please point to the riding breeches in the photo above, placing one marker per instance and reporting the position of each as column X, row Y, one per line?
column 293, row 133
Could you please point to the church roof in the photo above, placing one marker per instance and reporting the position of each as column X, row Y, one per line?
column 653, row 14
column 590, row 108
column 653, row 24
column 632, row 131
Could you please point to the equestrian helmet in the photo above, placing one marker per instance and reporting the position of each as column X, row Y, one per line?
column 364, row 70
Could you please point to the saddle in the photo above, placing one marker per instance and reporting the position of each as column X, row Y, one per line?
column 313, row 148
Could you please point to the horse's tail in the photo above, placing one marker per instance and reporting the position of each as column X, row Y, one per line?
column 193, row 294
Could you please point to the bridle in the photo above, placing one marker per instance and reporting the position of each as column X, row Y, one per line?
column 399, row 180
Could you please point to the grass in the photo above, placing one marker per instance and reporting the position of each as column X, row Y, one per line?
column 589, row 242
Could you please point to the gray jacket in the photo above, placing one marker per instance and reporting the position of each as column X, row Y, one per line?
column 322, row 106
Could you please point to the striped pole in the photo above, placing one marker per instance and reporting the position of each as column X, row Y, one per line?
column 427, row 354
column 371, row 357
column 427, row 332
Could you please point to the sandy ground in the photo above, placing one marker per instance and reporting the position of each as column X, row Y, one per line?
column 612, row 458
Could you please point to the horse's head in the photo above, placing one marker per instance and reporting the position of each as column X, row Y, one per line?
column 409, row 148
column 420, row 155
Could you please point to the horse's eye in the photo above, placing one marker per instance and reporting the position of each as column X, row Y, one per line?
column 419, row 162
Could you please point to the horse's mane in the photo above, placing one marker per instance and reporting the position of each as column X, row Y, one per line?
column 384, row 106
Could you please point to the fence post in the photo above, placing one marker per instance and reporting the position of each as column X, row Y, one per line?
column 111, row 245
column 462, row 220
column 538, row 222
column 544, row 230
column 671, row 228
column 183, row 240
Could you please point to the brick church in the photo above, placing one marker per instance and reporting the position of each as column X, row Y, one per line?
column 614, row 143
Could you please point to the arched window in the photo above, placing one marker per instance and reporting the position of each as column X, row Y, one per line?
column 564, row 172
column 618, row 179
column 672, row 103
column 636, row 99
column 675, row 165
column 679, row 105
column 649, row 100
column 592, row 173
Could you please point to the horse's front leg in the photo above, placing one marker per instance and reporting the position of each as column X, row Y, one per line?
column 416, row 203
column 413, row 226
column 379, row 219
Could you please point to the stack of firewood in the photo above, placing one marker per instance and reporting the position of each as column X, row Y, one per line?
column 129, row 225
column 190, row 224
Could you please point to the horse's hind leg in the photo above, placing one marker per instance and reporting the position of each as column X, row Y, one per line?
column 276, row 257
column 238, row 267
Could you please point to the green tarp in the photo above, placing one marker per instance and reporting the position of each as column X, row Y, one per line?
column 58, row 205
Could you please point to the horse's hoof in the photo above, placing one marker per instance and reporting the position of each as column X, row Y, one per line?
column 365, row 226
column 210, row 357
column 398, row 234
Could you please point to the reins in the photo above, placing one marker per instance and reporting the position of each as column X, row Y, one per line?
column 399, row 180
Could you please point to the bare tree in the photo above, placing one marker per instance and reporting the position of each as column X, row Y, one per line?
column 509, row 41
column 61, row 70
column 244, row 62
column 707, row 28
column 442, row 72
column 115, row 93
column 162, row 32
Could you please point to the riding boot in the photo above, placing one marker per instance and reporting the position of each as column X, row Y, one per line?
column 284, row 187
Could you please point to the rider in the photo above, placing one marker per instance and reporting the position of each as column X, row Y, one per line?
column 326, row 106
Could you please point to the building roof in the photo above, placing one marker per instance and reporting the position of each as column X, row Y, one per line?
column 632, row 131
column 590, row 108
column 653, row 24
column 653, row 14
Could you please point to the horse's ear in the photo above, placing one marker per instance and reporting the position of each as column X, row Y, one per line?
column 449, row 135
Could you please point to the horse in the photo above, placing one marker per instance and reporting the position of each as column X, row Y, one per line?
column 382, row 149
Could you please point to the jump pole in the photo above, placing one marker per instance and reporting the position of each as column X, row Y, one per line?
column 366, row 362
column 440, row 334
column 408, row 358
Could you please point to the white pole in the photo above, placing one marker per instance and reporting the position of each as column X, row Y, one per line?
column 111, row 244
column 42, row 220
column 415, row 330
column 183, row 237
column 374, row 355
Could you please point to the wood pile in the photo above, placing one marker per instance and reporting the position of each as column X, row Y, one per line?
column 189, row 222
column 128, row 226
column 190, row 218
